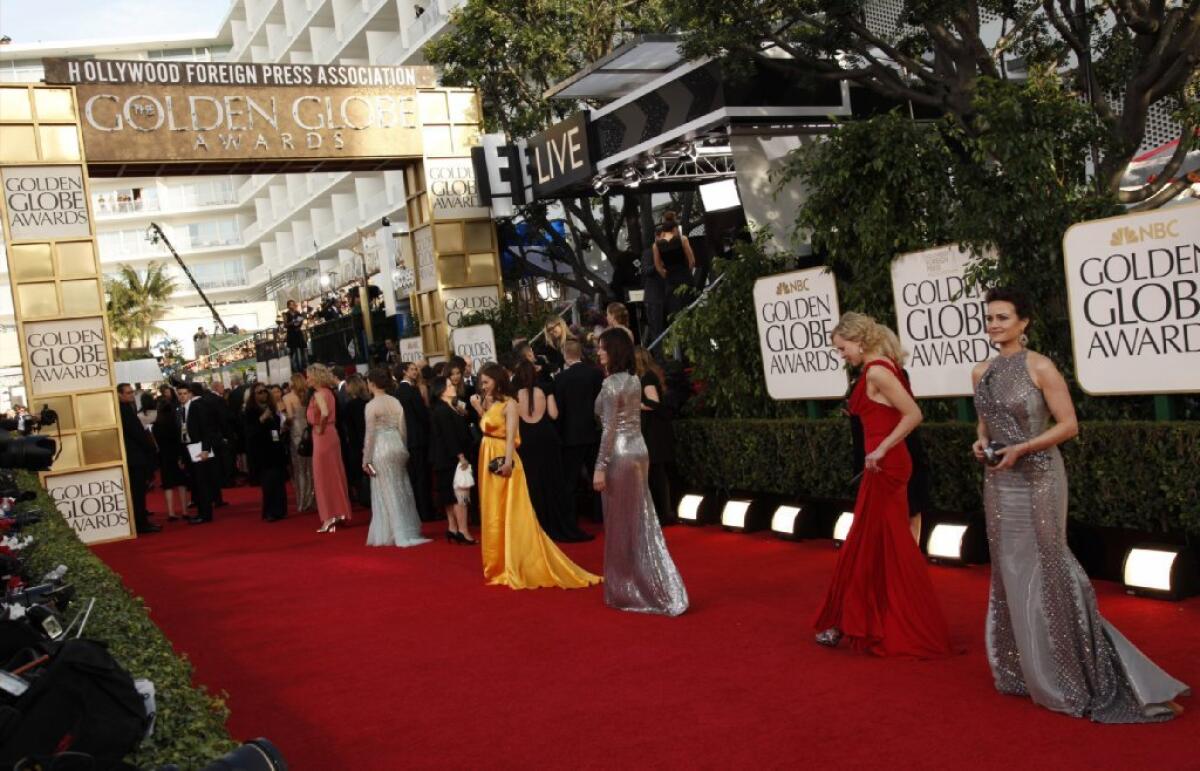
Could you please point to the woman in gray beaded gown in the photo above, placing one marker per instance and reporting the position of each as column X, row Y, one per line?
column 639, row 574
column 394, row 519
column 1045, row 636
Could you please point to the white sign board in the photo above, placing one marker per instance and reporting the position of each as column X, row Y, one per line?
column 279, row 370
column 459, row 302
column 410, row 349
column 940, row 321
column 476, row 343
column 262, row 373
column 144, row 371
column 796, row 315
column 45, row 202
column 423, row 254
column 93, row 503
column 453, row 191
column 67, row 356
column 1133, row 285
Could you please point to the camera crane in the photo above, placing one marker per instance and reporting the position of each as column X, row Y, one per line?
column 155, row 234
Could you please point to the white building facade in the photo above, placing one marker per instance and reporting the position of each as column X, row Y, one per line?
column 244, row 238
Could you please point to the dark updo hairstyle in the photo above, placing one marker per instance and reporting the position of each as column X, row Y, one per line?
column 437, row 388
column 525, row 377
column 499, row 376
column 1004, row 294
column 669, row 222
column 619, row 347
column 380, row 378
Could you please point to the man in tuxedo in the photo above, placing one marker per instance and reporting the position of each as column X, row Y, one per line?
column 575, row 391
column 416, row 420
column 200, row 427
column 141, row 457
column 223, row 423
column 235, row 397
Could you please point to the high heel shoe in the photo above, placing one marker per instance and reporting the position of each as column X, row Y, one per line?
column 453, row 537
column 465, row 539
column 329, row 526
column 830, row 637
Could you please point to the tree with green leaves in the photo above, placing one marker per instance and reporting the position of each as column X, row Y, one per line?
column 136, row 302
column 513, row 51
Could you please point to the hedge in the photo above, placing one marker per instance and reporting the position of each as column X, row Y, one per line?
column 190, row 727
column 1135, row 475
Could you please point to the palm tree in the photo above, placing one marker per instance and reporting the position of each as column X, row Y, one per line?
column 136, row 301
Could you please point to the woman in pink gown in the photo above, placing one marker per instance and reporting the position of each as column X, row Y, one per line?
column 329, row 475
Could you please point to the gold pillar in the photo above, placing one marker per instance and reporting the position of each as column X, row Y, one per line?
column 453, row 242
column 58, row 303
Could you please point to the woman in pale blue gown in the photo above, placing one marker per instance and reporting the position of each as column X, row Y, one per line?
column 394, row 520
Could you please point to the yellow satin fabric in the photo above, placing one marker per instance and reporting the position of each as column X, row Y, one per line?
column 516, row 553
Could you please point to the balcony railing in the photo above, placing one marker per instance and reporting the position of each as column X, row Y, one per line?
column 105, row 206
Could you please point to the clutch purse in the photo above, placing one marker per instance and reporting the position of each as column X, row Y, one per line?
column 495, row 464
column 990, row 455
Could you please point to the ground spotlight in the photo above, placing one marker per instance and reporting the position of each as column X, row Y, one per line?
column 699, row 509
column 956, row 543
column 742, row 515
column 1165, row 571
column 945, row 543
column 841, row 528
column 785, row 521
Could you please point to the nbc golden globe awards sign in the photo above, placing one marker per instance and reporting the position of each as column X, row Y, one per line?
column 940, row 320
column 1134, row 290
column 477, row 343
column 796, row 315
column 92, row 502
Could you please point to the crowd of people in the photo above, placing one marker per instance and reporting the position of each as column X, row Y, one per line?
column 525, row 447
column 548, row 435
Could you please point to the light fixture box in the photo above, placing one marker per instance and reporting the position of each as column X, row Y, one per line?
column 1161, row 571
column 700, row 508
column 747, row 513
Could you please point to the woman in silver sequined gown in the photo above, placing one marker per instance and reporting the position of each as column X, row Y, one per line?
column 295, row 404
column 1045, row 636
column 394, row 519
column 639, row 574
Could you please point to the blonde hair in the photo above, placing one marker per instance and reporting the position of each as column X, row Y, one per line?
column 874, row 337
column 319, row 376
column 357, row 387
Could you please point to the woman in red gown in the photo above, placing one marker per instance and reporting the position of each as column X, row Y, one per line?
column 881, row 597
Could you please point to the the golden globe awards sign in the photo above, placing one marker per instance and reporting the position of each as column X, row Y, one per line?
column 453, row 191
column 45, row 202
column 940, row 320
column 796, row 315
column 477, row 343
column 92, row 502
column 410, row 349
column 67, row 356
column 1134, row 289
column 460, row 302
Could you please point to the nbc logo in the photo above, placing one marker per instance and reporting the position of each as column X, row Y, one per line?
column 1153, row 231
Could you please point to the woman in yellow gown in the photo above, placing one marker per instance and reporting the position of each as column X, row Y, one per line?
column 516, row 553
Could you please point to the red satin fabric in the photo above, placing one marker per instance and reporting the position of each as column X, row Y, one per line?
column 881, row 597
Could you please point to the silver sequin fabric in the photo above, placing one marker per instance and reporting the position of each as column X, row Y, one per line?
column 1045, row 636
column 639, row 574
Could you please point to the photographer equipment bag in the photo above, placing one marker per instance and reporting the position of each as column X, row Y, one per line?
column 81, row 700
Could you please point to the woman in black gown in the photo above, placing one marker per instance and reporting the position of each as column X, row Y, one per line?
column 168, row 435
column 541, row 455
column 266, row 444
column 657, row 433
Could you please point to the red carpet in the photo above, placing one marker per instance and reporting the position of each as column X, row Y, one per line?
column 350, row 657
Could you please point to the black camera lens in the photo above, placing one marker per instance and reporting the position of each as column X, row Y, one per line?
column 32, row 453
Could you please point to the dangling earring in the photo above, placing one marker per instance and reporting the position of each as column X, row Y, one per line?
column 1023, row 340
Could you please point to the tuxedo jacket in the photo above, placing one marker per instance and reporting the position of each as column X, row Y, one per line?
column 416, row 414
column 575, row 391
column 202, row 426
column 139, row 447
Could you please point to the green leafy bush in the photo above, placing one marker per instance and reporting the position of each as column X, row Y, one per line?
column 1137, row 475
column 190, row 726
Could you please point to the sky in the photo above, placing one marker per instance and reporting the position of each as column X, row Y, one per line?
column 32, row 21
